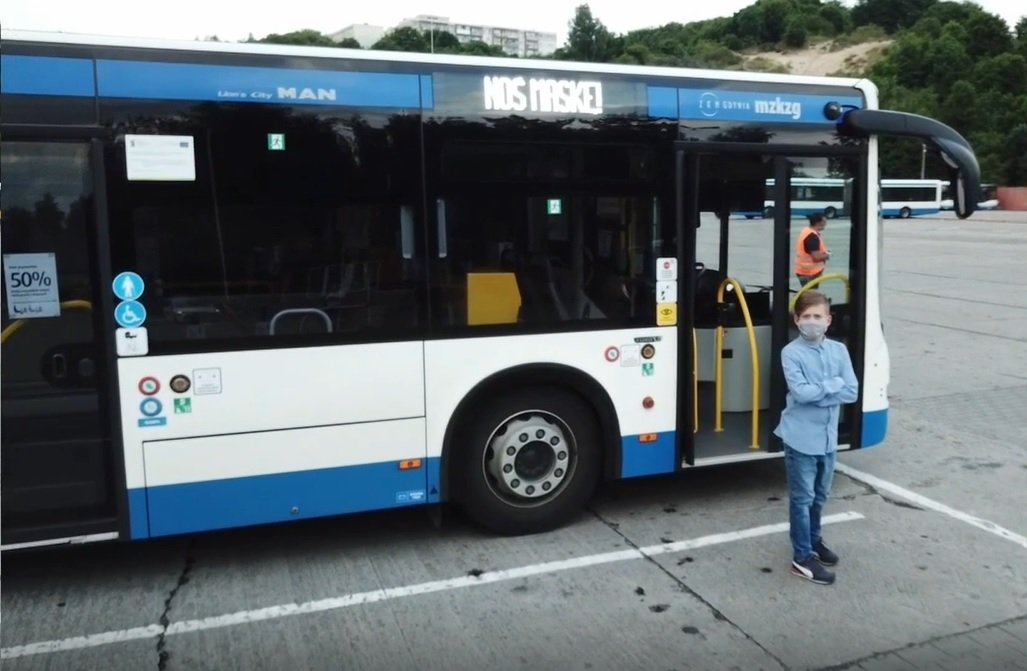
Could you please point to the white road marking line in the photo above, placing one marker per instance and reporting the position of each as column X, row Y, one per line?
column 389, row 593
column 80, row 642
column 931, row 504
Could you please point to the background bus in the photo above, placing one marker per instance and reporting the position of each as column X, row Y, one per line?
column 249, row 284
column 988, row 198
column 906, row 198
column 811, row 195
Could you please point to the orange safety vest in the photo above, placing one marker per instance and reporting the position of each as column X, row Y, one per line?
column 804, row 263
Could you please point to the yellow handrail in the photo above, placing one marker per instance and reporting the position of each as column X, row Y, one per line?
column 695, row 382
column 739, row 291
column 16, row 325
column 817, row 282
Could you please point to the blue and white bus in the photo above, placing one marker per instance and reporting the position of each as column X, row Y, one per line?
column 988, row 196
column 248, row 284
column 811, row 195
column 905, row 198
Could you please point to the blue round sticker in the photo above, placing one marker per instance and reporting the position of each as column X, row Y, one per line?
column 130, row 314
column 150, row 407
column 128, row 286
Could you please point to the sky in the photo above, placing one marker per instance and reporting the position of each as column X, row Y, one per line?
column 189, row 19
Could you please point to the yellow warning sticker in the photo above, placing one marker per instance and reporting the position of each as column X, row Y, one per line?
column 666, row 314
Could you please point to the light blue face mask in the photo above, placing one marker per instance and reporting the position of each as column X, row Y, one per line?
column 812, row 330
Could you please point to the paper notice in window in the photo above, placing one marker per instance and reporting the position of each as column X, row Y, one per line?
column 160, row 158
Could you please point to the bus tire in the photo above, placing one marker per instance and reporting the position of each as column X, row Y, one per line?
column 830, row 212
column 528, row 461
column 905, row 213
column 768, row 213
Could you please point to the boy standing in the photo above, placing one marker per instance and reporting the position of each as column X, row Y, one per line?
column 820, row 378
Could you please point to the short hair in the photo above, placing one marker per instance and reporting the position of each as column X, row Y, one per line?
column 809, row 299
column 816, row 217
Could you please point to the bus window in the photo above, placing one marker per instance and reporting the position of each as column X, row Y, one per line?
column 579, row 252
column 303, row 236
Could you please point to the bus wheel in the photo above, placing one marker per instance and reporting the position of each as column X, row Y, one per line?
column 830, row 212
column 768, row 213
column 528, row 461
column 905, row 213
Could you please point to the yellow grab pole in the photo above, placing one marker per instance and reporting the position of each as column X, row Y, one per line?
column 812, row 284
column 754, row 354
column 14, row 326
column 695, row 382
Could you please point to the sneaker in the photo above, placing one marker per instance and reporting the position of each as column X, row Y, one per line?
column 824, row 555
column 812, row 570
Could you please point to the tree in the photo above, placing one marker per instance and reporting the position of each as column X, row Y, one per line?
column 635, row 54
column 928, row 26
column 947, row 60
column 988, row 35
column 908, row 61
column 444, row 41
column 1021, row 36
column 775, row 19
column 349, row 43
column 945, row 12
column 1014, row 156
column 795, row 34
column 403, row 39
column 890, row 14
column 48, row 214
column 747, row 24
column 301, row 37
column 479, row 48
column 837, row 15
column 1006, row 72
column 588, row 40
column 960, row 107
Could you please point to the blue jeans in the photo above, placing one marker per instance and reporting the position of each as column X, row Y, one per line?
column 809, row 486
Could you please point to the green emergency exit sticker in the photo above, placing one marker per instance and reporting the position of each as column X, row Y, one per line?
column 183, row 406
column 276, row 141
column 554, row 206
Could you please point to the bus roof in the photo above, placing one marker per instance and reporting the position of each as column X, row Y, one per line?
column 63, row 38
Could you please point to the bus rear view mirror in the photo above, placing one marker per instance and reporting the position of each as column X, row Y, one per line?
column 966, row 183
column 965, row 173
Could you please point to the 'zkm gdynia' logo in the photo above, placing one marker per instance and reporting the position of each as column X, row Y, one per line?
column 710, row 105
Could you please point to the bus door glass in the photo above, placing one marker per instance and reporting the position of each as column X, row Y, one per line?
column 56, row 438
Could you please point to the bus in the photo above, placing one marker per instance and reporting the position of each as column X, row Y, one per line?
column 811, row 195
column 988, row 197
column 905, row 198
column 248, row 284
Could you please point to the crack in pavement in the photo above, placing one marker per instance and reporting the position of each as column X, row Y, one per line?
column 717, row 614
column 871, row 490
column 163, row 655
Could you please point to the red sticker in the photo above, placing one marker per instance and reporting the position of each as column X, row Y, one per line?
column 149, row 386
column 612, row 354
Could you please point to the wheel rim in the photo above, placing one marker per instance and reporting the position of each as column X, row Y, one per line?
column 904, row 213
column 529, row 458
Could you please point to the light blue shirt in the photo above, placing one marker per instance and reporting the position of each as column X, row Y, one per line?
column 820, row 379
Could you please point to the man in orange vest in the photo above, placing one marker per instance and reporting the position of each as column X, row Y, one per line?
column 811, row 253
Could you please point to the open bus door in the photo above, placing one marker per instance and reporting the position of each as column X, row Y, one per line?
column 737, row 302
column 57, row 450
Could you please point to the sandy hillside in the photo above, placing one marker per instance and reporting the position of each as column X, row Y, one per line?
column 818, row 59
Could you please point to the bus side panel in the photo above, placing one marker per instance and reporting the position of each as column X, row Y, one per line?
column 876, row 365
column 612, row 358
column 252, row 478
column 272, row 435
